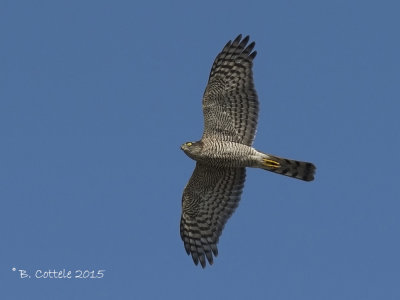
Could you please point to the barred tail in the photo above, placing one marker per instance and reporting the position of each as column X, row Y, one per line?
column 293, row 168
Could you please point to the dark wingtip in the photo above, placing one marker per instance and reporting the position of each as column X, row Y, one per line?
column 202, row 260
column 237, row 39
column 214, row 249
column 195, row 258
column 228, row 44
column 241, row 43
column 244, row 41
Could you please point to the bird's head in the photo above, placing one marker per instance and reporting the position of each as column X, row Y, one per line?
column 192, row 149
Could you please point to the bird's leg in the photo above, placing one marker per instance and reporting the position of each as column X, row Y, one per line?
column 271, row 163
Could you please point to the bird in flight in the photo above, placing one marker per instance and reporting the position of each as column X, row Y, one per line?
column 230, row 110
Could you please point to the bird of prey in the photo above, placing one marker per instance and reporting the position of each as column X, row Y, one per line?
column 230, row 110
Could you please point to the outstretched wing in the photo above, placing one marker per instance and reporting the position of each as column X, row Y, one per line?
column 209, row 199
column 230, row 104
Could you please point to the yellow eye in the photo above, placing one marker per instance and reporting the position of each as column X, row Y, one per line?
column 189, row 144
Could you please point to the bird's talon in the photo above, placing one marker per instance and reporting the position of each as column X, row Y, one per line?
column 271, row 163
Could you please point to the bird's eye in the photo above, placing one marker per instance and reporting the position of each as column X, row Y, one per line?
column 189, row 144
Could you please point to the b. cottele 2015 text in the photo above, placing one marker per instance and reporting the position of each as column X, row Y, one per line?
column 63, row 274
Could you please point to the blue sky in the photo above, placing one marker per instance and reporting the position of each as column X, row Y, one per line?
column 97, row 96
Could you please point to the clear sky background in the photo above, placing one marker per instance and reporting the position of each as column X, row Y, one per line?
column 96, row 98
